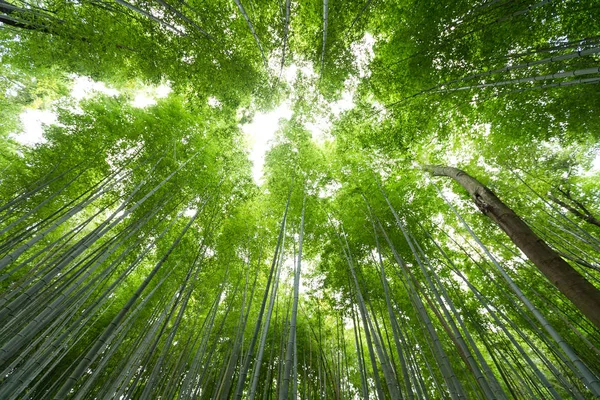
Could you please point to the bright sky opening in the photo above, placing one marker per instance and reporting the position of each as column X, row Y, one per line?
column 33, row 120
column 260, row 132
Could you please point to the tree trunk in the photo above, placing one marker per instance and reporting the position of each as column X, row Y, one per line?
column 289, row 364
column 584, row 214
column 286, row 30
column 105, row 338
column 325, row 22
column 265, row 328
column 584, row 295
column 557, row 75
column 8, row 10
column 251, row 27
column 244, row 369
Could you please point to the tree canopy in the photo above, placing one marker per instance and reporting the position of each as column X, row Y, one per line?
column 427, row 224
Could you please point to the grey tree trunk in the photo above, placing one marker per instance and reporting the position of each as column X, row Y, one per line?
column 325, row 23
column 265, row 329
column 102, row 341
column 584, row 295
column 283, row 394
column 251, row 27
column 150, row 16
column 244, row 369
column 581, row 211
column 567, row 74
column 182, row 16
column 286, row 30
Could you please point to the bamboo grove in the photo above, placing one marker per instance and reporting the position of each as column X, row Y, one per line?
column 439, row 239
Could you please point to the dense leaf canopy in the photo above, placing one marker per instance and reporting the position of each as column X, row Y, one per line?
column 140, row 259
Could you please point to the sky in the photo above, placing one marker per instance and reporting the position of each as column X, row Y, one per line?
column 259, row 132
column 33, row 120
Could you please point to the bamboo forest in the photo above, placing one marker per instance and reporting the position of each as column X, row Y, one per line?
column 307, row 199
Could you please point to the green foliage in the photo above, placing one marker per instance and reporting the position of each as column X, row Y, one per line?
column 136, row 250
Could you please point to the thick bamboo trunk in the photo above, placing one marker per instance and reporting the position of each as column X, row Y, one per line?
column 359, row 356
column 34, row 209
column 584, row 295
column 286, row 30
column 246, row 365
column 150, row 16
column 105, row 338
column 251, row 27
column 454, row 385
column 289, row 358
column 557, row 75
column 7, row 17
column 325, row 23
column 9, row 207
column 263, row 336
column 51, row 311
column 186, row 19
column 510, row 67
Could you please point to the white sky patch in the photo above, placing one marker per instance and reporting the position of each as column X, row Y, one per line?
column 309, row 282
column 596, row 162
column 321, row 125
column 329, row 190
column 13, row 89
column 343, row 104
column 363, row 54
column 595, row 167
column 213, row 102
column 189, row 212
column 143, row 100
column 147, row 97
column 33, row 122
column 163, row 91
column 319, row 128
column 85, row 87
column 290, row 72
column 259, row 132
